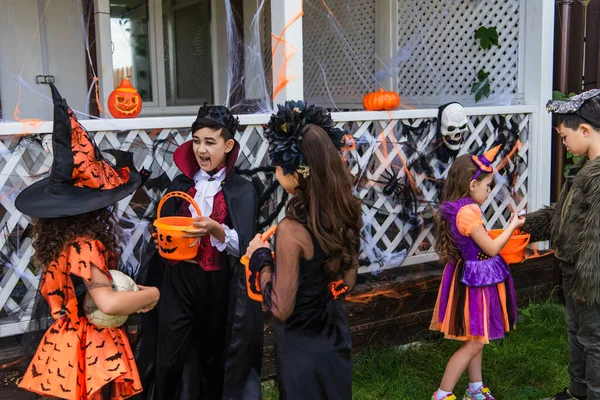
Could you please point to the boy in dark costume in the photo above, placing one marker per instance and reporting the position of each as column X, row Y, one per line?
column 573, row 227
column 204, row 341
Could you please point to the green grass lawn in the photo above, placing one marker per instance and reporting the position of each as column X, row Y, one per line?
column 530, row 364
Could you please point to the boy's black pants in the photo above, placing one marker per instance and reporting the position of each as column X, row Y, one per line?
column 583, row 328
column 192, row 333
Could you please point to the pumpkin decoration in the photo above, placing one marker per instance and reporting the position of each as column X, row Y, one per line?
column 381, row 100
column 125, row 101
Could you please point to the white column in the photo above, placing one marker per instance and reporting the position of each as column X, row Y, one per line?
column 386, row 42
column 103, row 51
column 286, row 27
column 539, row 43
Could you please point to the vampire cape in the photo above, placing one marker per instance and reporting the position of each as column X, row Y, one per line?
column 244, row 319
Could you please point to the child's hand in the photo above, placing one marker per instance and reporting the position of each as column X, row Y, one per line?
column 155, row 238
column 516, row 222
column 154, row 303
column 202, row 227
column 256, row 244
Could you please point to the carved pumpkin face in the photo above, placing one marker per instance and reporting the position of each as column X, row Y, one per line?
column 381, row 100
column 125, row 101
column 166, row 244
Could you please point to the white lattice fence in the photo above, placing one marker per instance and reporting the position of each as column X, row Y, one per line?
column 439, row 54
column 339, row 50
column 395, row 233
column 432, row 55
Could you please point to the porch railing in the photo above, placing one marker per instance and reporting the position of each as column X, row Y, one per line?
column 398, row 218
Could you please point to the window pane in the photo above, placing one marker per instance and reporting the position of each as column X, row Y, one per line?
column 188, row 59
column 129, row 31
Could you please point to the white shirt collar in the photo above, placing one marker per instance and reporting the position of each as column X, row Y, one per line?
column 202, row 175
column 206, row 188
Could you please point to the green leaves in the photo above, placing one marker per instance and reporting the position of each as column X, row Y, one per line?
column 488, row 37
column 573, row 160
column 558, row 95
column 481, row 87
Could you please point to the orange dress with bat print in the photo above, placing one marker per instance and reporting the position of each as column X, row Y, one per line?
column 75, row 359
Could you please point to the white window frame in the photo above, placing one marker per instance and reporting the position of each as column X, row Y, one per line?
column 158, row 105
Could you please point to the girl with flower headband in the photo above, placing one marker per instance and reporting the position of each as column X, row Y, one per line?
column 316, row 247
column 476, row 299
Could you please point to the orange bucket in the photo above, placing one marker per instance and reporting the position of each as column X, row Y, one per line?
column 514, row 250
column 171, row 243
column 246, row 263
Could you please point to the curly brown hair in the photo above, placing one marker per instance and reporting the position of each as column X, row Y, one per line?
column 456, row 187
column 325, row 204
column 52, row 235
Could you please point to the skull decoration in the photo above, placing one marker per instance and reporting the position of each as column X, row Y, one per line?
column 452, row 125
column 47, row 144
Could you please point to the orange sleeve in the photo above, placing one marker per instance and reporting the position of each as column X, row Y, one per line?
column 468, row 218
column 82, row 254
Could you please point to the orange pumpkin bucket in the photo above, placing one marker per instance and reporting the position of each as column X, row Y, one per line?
column 171, row 243
column 514, row 250
column 246, row 263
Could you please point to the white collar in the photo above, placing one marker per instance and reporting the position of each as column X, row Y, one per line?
column 202, row 175
column 206, row 188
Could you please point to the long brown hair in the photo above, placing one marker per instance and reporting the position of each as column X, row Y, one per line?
column 51, row 235
column 325, row 204
column 456, row 187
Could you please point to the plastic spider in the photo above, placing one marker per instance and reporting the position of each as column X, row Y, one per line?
column 393, row 184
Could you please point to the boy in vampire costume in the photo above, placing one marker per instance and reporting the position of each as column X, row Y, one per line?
column 205, row 338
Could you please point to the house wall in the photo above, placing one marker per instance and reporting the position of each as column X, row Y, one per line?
column 21, row 54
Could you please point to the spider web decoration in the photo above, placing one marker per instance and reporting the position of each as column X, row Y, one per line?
column 394, row 234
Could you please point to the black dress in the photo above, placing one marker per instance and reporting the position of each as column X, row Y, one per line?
column 313, row 345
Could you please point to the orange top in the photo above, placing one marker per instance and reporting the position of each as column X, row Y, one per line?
column 468, row 218
column 75, row 359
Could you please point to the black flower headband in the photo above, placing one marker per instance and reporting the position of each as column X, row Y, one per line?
column 286, row 129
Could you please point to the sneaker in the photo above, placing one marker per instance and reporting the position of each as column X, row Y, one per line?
column 483, row 393
column 449, row 397
column 565, row 395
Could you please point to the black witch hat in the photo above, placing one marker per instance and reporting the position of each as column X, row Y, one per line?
column 80, row 180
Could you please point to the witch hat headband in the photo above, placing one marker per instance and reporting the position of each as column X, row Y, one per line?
column 484, row 162
column 80, row 180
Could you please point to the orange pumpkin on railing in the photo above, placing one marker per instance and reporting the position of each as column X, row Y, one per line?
column 125, row 101
column 381, row 101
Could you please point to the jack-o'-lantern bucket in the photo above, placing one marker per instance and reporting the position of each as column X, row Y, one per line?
column 253, row 287
column 514, row 250
column 170, row 230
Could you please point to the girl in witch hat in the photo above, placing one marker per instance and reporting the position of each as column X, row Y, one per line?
column 76, row 239
column 476, row 299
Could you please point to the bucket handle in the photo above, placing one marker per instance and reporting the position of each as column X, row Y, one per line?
column 525, row 243
column 184, row 196
column 268, row 233
column 252, row 282
column 264, row 237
